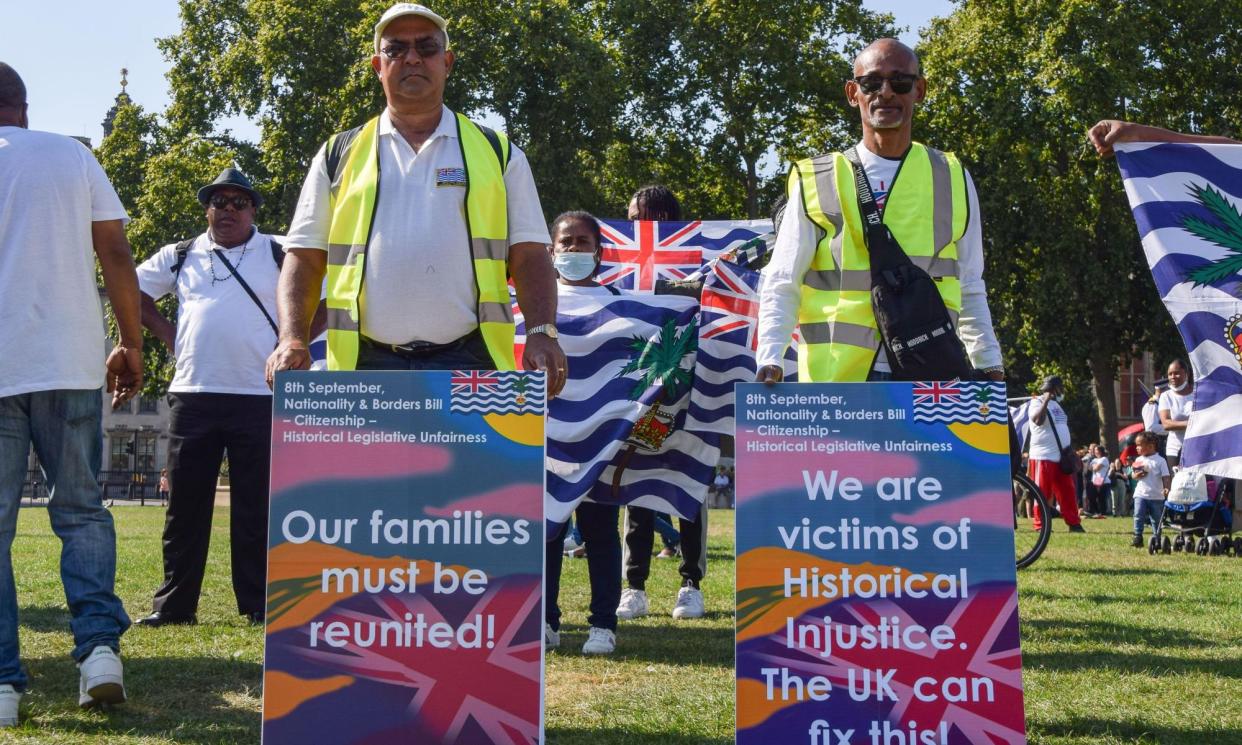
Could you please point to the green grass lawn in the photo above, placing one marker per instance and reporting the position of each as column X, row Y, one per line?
column 1120, row 647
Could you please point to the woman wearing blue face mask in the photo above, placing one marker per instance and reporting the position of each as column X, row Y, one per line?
column 1175, row 407
column 576, row 254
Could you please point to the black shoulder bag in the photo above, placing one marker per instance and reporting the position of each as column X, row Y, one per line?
column 250, row 292
column 915, row 326
column 1069, row 461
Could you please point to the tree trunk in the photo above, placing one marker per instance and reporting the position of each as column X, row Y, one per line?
column 752, row 188
column 1103, row 375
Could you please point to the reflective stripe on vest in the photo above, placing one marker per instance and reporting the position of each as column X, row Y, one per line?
column 354, row 197
column 927, row 212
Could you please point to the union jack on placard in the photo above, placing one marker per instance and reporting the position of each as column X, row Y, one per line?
column 957, row 402
column 492, row 392
column 985, row 649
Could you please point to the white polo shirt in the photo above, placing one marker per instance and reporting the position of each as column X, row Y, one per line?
column 419, row 283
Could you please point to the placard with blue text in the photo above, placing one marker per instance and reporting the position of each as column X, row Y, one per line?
column 876, row 586
column 405, row 562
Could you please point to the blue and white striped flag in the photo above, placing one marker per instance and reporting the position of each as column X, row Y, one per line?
column 1187, row 201
column 624, row 351
column 1021, row 416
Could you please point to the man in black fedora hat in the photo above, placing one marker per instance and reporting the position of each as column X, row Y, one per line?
column 225, row 284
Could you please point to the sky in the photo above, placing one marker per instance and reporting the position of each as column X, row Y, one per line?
column 70, row 54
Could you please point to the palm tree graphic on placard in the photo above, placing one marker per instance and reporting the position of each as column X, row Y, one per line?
column 984, row 398
column 658, row 362
column 520, row 384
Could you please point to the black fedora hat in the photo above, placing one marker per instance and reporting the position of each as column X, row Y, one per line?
column 234, row 178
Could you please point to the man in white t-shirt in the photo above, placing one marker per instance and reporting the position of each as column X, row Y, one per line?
column 430, row 212
column 1049, row 436
column 225, row 284
column 1175, row 407
column 820, row 263
column 58, row 213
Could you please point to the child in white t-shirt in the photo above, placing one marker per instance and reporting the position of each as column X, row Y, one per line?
column 1151, row 485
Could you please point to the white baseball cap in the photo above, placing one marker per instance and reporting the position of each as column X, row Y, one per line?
column 408, row 9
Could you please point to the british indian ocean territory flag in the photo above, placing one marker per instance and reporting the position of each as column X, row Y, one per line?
column 1187, row 202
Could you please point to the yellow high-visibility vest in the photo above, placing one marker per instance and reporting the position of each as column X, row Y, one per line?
column 926, row 210
column 353, row 167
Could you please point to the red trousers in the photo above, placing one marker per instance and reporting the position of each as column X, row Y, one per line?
column 1057, row 486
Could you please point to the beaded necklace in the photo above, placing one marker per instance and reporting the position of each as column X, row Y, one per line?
column 211, row 260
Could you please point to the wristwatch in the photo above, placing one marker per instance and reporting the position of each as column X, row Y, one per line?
column 547, row 329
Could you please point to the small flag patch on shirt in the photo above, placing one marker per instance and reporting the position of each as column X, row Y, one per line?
column 451, row 177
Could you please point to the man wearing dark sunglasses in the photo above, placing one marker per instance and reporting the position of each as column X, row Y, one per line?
column 225, row 284
column 923, row 196
column 440, row 212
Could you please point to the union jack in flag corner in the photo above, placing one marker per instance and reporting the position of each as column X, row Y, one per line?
column 1187, row 203
column 637, row 253
column 728, row 336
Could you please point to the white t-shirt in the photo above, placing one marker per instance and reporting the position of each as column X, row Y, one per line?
column 419, row 283
column 1179, row 408
column 51, row 190
column 223, row 340
column 1099, row 466
column 1151, row 418
column 780, row 289
column 1043, row 442
column 1150, row 486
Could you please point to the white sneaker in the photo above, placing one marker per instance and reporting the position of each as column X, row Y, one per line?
column 600, row 641
column 689, row 603
column 9, row 699
column 101, row 679
column 633, row 604
column 551, row 639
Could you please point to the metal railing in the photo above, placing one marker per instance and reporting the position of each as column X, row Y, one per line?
column 132, row 485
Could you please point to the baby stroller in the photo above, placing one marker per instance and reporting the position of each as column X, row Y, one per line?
column 1204, row 523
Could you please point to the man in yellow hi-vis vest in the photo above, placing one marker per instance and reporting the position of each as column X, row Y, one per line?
column 418, row 218
column 819, row 277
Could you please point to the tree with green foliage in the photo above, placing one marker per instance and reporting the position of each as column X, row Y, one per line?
column 1013, row 88
column 740, row 81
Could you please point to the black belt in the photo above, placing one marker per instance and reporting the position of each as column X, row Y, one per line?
column 420, row 348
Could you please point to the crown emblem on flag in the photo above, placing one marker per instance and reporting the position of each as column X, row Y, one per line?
column 1233, row 334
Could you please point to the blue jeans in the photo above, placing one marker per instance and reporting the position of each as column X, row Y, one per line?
column 65, row 428
column 1145, row 510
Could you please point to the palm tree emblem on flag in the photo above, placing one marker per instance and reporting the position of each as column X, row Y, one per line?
column 658, row 362
column 1227, row 233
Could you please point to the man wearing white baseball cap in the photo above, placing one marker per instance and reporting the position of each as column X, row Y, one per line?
column 432, row 213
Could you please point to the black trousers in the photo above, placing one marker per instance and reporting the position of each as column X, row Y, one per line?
column 467, row 353
column 204, row 426
column 640, row 538
column 598, row 523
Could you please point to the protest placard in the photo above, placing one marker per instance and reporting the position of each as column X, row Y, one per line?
column 405, row 559
column 876, row 585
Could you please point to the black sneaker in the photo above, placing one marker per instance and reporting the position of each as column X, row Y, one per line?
column 1137, row 542
column 1077, row 529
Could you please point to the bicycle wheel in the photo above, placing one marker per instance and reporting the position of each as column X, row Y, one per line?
column 1029, row 541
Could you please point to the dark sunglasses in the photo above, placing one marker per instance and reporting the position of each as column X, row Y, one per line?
column 902, row 83
column 424, row 48
column 219, row 201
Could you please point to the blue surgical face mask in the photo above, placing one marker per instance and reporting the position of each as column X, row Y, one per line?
column 574, row 266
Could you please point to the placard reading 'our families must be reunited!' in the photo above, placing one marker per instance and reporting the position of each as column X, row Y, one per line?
column 405, row 559
column 876, row 587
